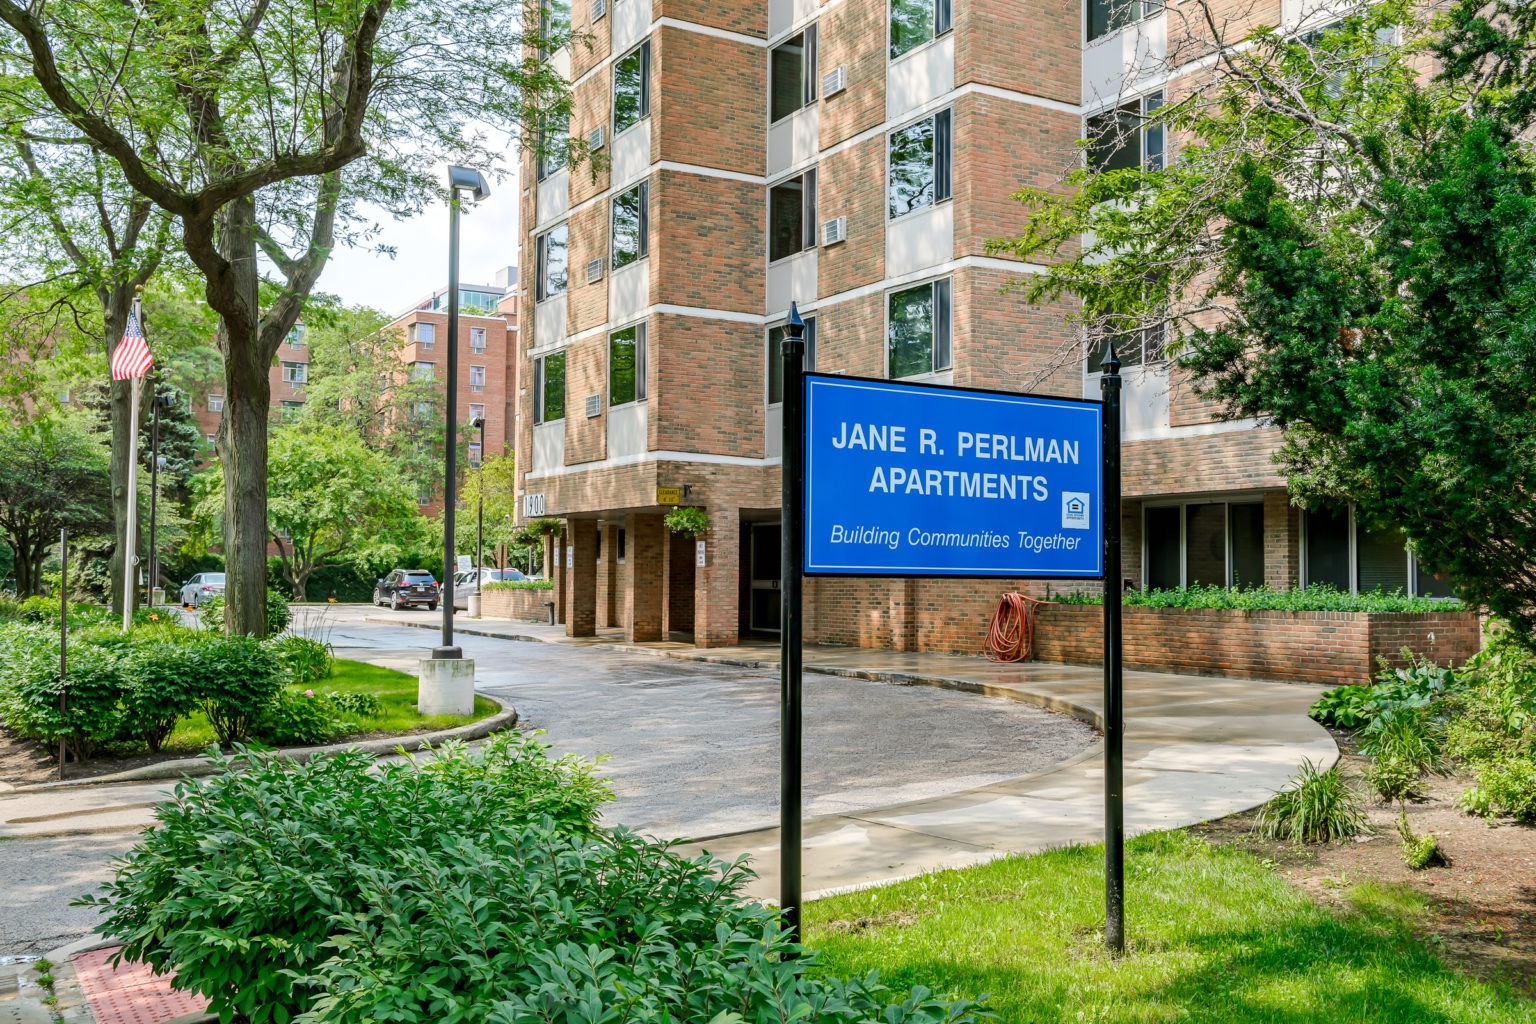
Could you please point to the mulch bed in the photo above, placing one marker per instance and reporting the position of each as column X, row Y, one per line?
column 1483, row 916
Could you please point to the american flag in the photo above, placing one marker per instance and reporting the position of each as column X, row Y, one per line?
column 131, row 357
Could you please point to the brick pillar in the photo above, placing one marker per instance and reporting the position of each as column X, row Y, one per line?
column 555, row 570
column 902, row 611
column 582, row 620
column 1130, row 544
column 1282, row 541
column 716, row 595
column 609, row 585
column 644, row 570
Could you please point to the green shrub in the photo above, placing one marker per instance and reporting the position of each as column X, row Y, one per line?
column 1316, row 598
column 1392, row 777
column 211, row 613
column 519, row 585
column 1402, row 745
column 93, row 690
column 1419, row 851
column 1419, row 687
column 163, row 682
column 308, row 661
column 1317, row 807
column 356, row 704
column 1506, row 788
column 250, row 874
column 299, row 720
column 241, row 677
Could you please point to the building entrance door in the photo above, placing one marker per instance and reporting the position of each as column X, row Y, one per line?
column 764, row 612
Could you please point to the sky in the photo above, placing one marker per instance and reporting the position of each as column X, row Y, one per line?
column 487, row 242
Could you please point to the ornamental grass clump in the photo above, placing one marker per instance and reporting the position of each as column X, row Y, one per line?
column 1316, row 807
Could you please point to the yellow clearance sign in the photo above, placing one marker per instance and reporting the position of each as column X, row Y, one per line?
column 669, row 495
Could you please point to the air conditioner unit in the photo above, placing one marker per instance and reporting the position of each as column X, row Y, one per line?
column 594, row 271
column 595, row 139
column 834, row 81
column 594, row 406
column 599, row 8
column 834, row 231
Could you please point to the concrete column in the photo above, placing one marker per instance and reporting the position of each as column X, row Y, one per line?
column 609, row 584
column 716, row 597
column 582, row 620
column 644, row 571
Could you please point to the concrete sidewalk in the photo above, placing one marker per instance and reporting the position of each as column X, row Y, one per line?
column 1196, row 748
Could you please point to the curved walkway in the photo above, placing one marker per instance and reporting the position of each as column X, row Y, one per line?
column 1196, row 748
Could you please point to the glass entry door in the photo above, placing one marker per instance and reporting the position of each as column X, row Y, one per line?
column 764, row 611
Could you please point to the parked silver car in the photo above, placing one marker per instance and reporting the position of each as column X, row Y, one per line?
column 464, row 582
column 201, row 587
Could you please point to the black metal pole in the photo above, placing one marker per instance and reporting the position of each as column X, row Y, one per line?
column 1114, row 709
column 451, row 440
column 154, row 493
column 480, row 514
column 63, row 635
column 792, row 352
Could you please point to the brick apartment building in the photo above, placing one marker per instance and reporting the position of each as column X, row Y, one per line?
column 853, row 156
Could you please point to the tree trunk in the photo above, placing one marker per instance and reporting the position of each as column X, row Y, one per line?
column 298, row 581
column 242, row 437
column 115, row 310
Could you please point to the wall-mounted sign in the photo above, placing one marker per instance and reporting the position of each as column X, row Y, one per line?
column 907, row 479
column 533, row 505
column 700, row 554
column 669, row 495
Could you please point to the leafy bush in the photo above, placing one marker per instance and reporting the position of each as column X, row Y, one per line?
column 299, row 720
column 358, row 705
column 250, row 874
column 1411, row 736
column 211, row 613
column 688, row 520
column 1317, row 807
column 1419, row 851
column 519, row 585
column 1392, row 777
column 1506, row 787
column 45, row 610
column 92, row 687
column 1316, row 598
column 241, row 677
column 163, row 683
column 308, row 661
column 1419, row 686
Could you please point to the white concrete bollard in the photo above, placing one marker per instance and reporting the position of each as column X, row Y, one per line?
column 446, row 686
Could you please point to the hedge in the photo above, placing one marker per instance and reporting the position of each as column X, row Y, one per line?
column 1316, row 598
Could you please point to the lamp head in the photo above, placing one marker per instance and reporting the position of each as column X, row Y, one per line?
column 468, row 178
column 478, row 422
column 1111, row 362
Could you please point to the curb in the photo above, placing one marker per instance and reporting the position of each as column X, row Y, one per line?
column 193, row 767
column 1087, row 715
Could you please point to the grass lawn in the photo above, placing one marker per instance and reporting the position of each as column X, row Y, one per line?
column 1214, row 935
column 396, row 690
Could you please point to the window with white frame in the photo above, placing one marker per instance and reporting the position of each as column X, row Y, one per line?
column 423, row 334
column 1139, row 338
column 554, row 143
column 1106, row 16
column 919, row 165
column 792, row 216
column 476, row 411
column 632, row 88
column 212, row 438
column 775, row 356
column 792, row 74
column 423, row 494
column 424, row 411
column 626, row 365
column 295, row 373
column 474, row 453
column 215, row 403
column 477, row 339
column 1340, row 550
column 296, row 336
column 422, row 370
column 1126, row 137
column 549, row 388
column 915, row 22
column 630, row 234
column 477, row 378
column 550, row 257
column 917, row 330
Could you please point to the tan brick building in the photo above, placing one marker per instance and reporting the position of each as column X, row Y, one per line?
column 853, row 156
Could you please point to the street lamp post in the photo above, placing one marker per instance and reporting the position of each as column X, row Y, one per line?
column 161, row 402
column 479, row 421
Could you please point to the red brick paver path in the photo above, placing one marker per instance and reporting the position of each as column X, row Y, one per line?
column 130, row 993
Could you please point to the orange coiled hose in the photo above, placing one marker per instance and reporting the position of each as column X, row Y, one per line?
column 1012, row 634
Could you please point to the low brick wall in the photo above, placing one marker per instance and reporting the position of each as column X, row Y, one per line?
column 516, row 604
column 1313, row 647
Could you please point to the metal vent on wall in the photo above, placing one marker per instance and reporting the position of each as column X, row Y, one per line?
column 595, row 139
column 599, row 8
column 594, row 271
column 594, row 405
column 834, row 230
column 834, row 81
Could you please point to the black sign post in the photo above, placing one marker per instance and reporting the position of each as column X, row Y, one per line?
column 1114, row 710
column 792, row 352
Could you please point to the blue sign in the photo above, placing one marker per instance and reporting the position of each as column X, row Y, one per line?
column 915, row 480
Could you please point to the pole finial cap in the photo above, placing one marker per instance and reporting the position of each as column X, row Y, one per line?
column 1111, row 363
column 795, row 324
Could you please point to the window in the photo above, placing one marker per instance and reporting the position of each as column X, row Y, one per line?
column 424, row 335
column 476, row 412
column 1327, row 558
column 1340, row 551
column 215, row 403
column 631, row 226
column 550, row 254
column 554, row 143
column 915, row 22
column 1121, row 138
column 423, row 494
column 422, row 370
column 917, row 330
column 1105, row 16
column 775, row 374
column 295, row 373
column 1209, row 543
column 632, row 88
column 919, row 165
column 549, row 388
column 474, row 453
column 477, row 339
column 554, row 22
column 296, row 336
column 290, row 410
column 212, row 438
column 64, row 396
column 477, row 378
column 792, row 216
column 1134, row 345
column 626, row 365
column 424, row 410
column 792, row 74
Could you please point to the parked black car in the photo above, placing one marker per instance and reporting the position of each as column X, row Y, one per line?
column 405, row 587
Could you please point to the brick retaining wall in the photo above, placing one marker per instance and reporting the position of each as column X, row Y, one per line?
column 517, row 605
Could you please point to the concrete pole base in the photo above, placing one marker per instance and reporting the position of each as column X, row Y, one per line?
column 446, row 686
column 474, row 606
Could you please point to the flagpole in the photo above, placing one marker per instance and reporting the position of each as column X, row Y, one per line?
column 130, row 527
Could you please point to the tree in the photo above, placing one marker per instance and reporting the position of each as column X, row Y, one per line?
column 496, row 478
column 328, row 495
column 262, row 127
column 53, row 475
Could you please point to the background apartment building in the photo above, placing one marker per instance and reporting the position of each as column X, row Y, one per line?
column 852, row 156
